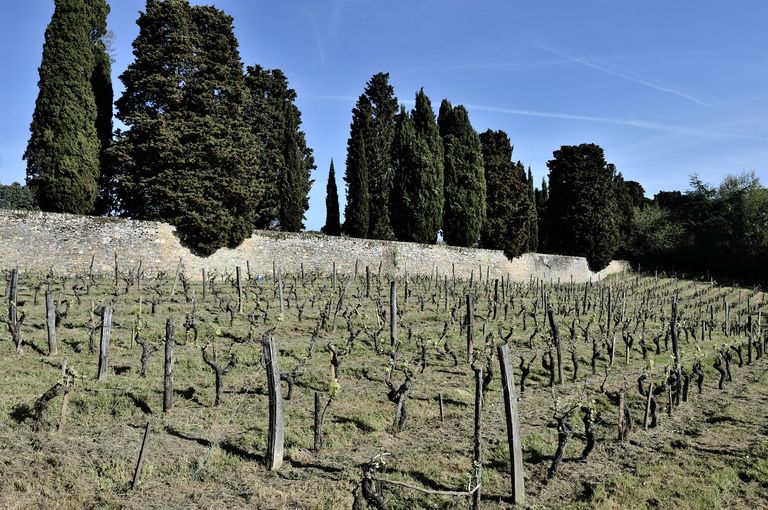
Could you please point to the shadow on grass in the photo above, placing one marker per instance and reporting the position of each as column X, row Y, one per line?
column 20, row 412
column 361, row 426
column 227, row 446
column 139, row 402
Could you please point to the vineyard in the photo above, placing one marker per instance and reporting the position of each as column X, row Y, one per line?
column 262, row 389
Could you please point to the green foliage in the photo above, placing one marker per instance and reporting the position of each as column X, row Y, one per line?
column 465, row 188
column 189, row 156
column 286, row 161
column 18, row 197
column 533, row 216
column 332, row 220
column 581, row 209
column 356, row 213
column 417, row 157
column 64, row 149
column 378, row 149
column 508, row 197
column 655, row 233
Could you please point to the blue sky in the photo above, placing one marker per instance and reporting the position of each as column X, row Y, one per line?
column 668, row 89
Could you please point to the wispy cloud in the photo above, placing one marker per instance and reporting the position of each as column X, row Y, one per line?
column 641, row 124
column 317, row 33
column 645, row 83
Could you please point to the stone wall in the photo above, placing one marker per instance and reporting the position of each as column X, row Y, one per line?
column 67, row 243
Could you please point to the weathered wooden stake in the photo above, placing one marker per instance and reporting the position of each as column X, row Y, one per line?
column 50, row 315
column 205, row 282
column 106, row 327
column 140, row 463
column 176, row 278
column 470, row 326
column 558, row 343
column 318, row 443
column 477, row 457
column 392, row 313
column 12, row 295
column 170, row 331
column 647, row 415
column 513, row 425
column 239, row 290
column 442, row 406
column 621, row 416
column 276, row 435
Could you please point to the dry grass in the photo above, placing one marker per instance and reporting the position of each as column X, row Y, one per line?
column 711, row 453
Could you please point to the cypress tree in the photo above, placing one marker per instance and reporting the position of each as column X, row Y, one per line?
column 581, row 209
column 506, row 225
column 64, row 148
column 417, row 156
column 101, row 83
column 357, row 210
column 287, row 161
column 188, row 156
column 533, row 218
column 332, row 221
column 465, row 187
column 378, row 150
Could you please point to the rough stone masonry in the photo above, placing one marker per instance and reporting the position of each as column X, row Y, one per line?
column 36, row 241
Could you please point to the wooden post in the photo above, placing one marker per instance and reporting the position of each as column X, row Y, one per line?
column 558, row 343
column 442, row 406
column 176, row 278
column 673, row 332
column 117, row 269
column 140, row 463
column 477, row 457
column 239, row 290
column 248, row 269
column 513, row 425
column 392, row 313
column 106, row 326
column 648, row 406
column 334, row 277
column 170, row 331
column 367, row 281
column 621, row 416
column 50, row 315
column 470, row 327
column 276, row 435
column 318, row 443
column 12, row 295
column 280, row 291
column 205, row 282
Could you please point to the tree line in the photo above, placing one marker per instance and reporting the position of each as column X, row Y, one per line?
column 209, row 146
column 216, row 149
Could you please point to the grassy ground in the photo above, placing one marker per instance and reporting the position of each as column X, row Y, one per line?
column 712, row 452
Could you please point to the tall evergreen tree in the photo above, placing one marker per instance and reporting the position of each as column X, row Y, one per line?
column 357, row 210
column 417, row 156
column 506, row 224
column 64, row 149
column 188, row 156
column 533, row 216
column 101, row 83
column 581, row 210
column 465, row 188
column 332, row 221
column 275, row 120
column 378, row 149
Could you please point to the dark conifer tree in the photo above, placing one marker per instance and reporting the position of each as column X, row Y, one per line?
column 506, row 224
column 332, row 220
column 533, row 217
column 286, row 160
column 64, row 149
column 465, row 187
column 188, row 156
column 357, row 210
column 101, row 83
column 581, row 209
column 417, row 157
column 378, row 150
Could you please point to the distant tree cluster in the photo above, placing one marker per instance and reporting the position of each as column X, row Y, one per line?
column 18, row 197
column 412, row 176
column 209, row 147
column 720, row 230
